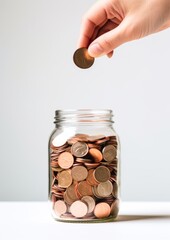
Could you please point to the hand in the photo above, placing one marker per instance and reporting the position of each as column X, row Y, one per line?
column 110, row 23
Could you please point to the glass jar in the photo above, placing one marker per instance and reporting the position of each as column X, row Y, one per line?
column 84, row 159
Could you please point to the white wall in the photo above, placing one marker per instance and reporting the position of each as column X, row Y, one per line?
column 37, row 76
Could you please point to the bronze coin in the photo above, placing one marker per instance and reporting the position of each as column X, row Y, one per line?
column 71, row 192
column 78, row 209
column 101, row 174
column 79, row 149
column 115, row 190
column 102, row 210
column 82, row 59
column 60, row 207
column 95, row 138
column 79, row 173
column 90, row 203
column 115, row 208
column 96, row 154
column 64, row 179
column 65, row 160
column 90, row 178
column 84, row 189
column 109, row 153
column 105, row 189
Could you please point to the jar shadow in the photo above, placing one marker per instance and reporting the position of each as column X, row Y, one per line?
column 127, row 218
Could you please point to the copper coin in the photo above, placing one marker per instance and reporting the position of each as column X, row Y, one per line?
column 102, row 210
column 90, row 203
column 109, row 153
column 79, row 149
column 115, row 190
column 104, row 189
column 96, row 154
column 84, row 189
column 102, row 174
column 90, row 178
column 64, row 179
column 83, row 160
column 78, row 209
column 82, row 59
column 91, row 165
column 71, row 192
column 60, row 207
column 79, row 173
column 65, row 160
column 95, row 138
column 115, row 208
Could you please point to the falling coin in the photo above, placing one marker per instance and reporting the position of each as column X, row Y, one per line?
column 82, row 59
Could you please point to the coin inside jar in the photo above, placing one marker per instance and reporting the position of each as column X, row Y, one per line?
column 101, row 174
column 82, row 59
column 79, row 149
column 65, row 160
column 109, row 153
column 78, row 209
column 79, row 173
column 102, row 210
column 60, row 207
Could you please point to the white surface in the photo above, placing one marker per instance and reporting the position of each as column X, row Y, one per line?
column 32, row 220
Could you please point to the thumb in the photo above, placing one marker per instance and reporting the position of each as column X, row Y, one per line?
column 107, row 42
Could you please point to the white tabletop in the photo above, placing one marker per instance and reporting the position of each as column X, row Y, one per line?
column 137, row 221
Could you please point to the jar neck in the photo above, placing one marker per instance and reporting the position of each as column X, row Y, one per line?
column 83, row 117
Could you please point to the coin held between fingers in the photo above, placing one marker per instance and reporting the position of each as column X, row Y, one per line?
column 82, row 59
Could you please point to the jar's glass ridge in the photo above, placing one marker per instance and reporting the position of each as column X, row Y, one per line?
column 84, row 163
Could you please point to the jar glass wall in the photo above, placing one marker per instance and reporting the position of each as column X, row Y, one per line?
column 84, row 161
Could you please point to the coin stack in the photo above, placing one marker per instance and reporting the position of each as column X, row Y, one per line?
column 84, row 177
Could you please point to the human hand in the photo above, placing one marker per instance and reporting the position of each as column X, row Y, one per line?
column 110, row 23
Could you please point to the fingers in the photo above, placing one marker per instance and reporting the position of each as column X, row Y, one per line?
column 94, row 19
column 107, row 42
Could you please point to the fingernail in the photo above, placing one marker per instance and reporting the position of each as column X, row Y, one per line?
column 95, row 50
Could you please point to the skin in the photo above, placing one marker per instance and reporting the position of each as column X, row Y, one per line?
column 110, row 23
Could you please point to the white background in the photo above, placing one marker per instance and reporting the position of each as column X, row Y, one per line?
column 37, row 76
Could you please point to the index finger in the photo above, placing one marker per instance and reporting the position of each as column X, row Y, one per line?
column 95, row 17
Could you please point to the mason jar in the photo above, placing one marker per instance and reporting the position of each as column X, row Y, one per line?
column 84, row 159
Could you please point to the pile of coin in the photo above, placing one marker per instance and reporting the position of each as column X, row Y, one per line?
column 84, row 177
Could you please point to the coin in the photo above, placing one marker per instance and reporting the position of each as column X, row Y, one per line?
column 78, row 209
column 115, row 189
column 102, row 210
column 65, row 160
column 104, row 189
column 64, row 179
column 84, row 189
column 115, row 208
column 90, row 203
column 82, row 59
column 60, row 207
column 102, row 174
column 95, row 138
column 109, row 153
column 79, row 149
column 96, row 154
column 79, row 173
column 90, row 178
